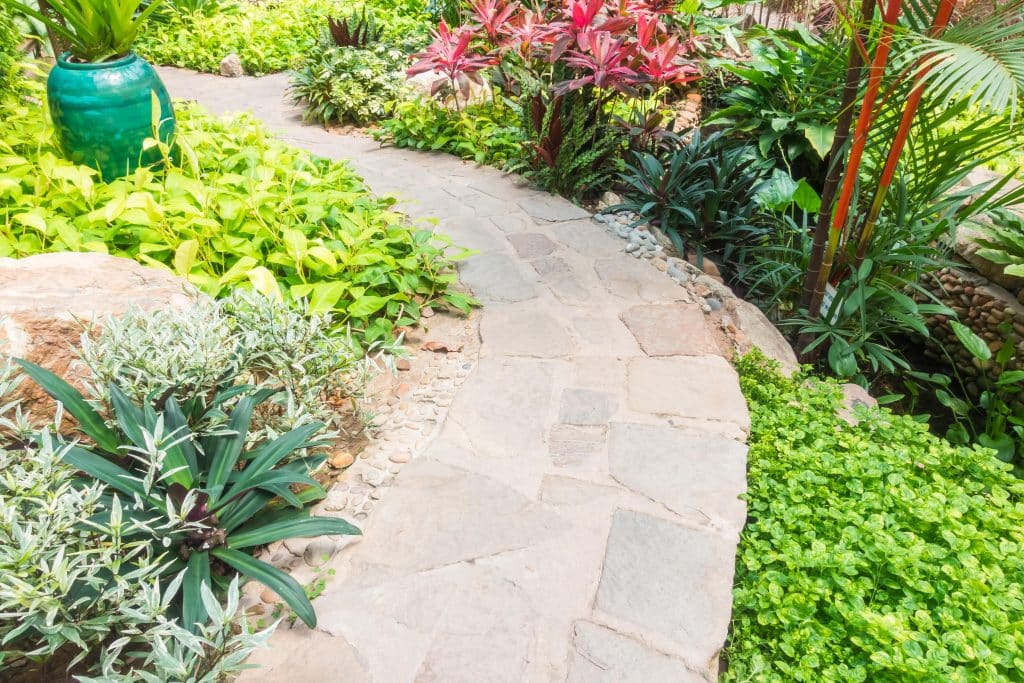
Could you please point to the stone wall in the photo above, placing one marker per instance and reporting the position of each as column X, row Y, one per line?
column 992, row 312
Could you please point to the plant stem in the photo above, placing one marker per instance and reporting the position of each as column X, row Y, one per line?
column 860, row 138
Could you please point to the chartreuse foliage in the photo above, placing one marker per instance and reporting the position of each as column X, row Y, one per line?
column 874, row 552
column 486, row 133
column 267, row 37
column 209, row 496
column 9, row 37
column 240, row 209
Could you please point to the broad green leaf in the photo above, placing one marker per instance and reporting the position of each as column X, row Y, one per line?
column 89, row 422
column 197, row 574
column 299, row 527
column 185, row 257
column 276, row 580
column 820, row 137
column 974, row 344
column 264, row 282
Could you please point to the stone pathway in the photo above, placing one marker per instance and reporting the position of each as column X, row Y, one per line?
column 576, row 517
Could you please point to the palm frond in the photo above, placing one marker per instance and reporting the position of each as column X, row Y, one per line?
column 982, row 61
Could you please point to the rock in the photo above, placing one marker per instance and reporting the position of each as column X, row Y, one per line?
column 319, row 551
column 758, row 331
column 340, row 459
column 403, row 364
column 708, row 266
column 608, row 200
column 269, row 597
column 231, row 66
column 854, row 395
column 423, row 84
column 46, row 300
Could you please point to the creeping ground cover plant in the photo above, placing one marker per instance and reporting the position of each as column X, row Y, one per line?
column 874, row 551
column 238, row 209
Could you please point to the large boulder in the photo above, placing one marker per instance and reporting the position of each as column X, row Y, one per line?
column 47, row 301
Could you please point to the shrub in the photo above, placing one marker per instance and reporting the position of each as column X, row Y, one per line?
column 703, row 195
column 874, row 552
column 81, row 588
column 349, row 84
column 9, row 55
column 485, row 133
column 267, row 37
column 245, row 338
column 240, row 209
column 207, row 497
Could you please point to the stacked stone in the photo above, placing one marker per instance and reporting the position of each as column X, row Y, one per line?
column 993, row 313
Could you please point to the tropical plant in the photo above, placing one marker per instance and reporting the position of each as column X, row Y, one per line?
column 1002, row 241
column 485, row 133
column 788, row 100
column 166, row 651
column 703, row 196
column 191, row 9
column 872, row 551
column 267, row 37
column 575, row 151
column 565, row 64
column 245, row 338
column 95, row 30
column 976, row 62
column 9, row 54
column 349, row 85
column 207, row 498
column 1003, row 427
column 359, row 29
column 239, row 209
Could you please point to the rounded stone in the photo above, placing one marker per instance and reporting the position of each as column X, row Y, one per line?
column 319, row 551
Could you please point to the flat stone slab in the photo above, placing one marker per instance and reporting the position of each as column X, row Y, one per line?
column 531, row 245
column 587, row 407
column 550, row 208
column 586, row 238
column 670, row 580
column 600, row 655
column 636, row 280
column 697, row 387
column 496, row 279
column 517, row 331
column 670, row 330
column 696, row 475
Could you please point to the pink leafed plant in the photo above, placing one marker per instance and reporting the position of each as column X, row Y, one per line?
column 662, row 65
column 450, row 56
column 493, row 16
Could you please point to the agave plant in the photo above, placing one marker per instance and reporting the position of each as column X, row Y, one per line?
column 94, row 30
column 207, row 498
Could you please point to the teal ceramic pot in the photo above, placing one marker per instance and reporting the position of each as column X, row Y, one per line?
column 103, row 112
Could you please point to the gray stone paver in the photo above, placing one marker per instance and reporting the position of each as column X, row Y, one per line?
column 576, row 517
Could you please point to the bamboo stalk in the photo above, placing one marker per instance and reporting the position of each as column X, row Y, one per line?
column 939, row 24
column 860, row 137
column 835, row 156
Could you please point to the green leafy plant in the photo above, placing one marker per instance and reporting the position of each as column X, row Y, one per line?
column 703, row 196
column 872, row 552
column 575, row 150
column 240, row 209
column 485, row 133
column 359, row 29
column 245, row 338
column 787, row 102
column 214, row 497
column 349, row 84
column 95, row 30
column 267, row 37
column 1003, row 241
column 9, row 55
column 1003, row 427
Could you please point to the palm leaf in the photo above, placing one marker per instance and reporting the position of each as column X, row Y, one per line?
column 297, row 524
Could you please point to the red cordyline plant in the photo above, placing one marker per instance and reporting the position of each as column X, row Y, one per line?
column 613, row 47
column 449, row 55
